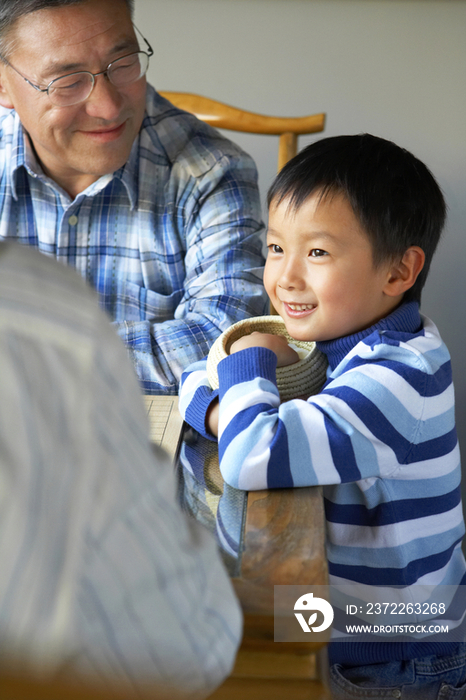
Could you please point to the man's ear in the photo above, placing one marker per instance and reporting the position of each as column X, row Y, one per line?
column 5, row 100
column 404, row 273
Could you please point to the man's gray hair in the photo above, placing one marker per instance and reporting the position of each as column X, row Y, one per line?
column 12, row 10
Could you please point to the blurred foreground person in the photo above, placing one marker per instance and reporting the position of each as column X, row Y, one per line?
column 101, row 573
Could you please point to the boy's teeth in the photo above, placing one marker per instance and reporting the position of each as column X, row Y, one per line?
column 301, row 307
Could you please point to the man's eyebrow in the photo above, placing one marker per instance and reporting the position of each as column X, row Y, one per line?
column 56, row 69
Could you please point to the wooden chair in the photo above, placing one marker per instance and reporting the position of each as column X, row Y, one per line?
column 284, row 541
column 223, row 116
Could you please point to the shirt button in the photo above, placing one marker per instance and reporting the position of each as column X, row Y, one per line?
column 73, row 220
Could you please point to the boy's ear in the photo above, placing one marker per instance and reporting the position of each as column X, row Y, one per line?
column 404, row 273
column 5, row 100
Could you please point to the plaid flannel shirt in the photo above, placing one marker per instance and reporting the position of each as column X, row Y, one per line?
column 171, row 241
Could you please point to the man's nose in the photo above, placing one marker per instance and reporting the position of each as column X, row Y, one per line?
column 105, row 100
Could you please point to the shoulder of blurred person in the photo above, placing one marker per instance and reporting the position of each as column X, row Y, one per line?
column 118, row 582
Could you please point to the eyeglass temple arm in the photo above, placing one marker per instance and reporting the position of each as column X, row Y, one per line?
column 151, row 50
column 36, row 87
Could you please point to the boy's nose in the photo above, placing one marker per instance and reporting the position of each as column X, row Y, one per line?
column 291, row 276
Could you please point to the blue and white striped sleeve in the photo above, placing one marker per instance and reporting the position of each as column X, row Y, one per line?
column 374, row 419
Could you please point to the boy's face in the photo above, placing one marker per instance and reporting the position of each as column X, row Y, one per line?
column 319, row 273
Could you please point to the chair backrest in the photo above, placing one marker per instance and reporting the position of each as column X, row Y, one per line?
column 223, row 116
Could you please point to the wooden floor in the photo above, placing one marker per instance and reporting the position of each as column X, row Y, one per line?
column 276, row 676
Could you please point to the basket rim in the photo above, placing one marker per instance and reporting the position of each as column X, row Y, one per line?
column 303, row 377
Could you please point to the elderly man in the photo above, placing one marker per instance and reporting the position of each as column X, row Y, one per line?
column 154, row 208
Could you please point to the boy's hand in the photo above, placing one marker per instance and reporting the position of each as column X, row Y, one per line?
column 277, row 343
column 212, row 417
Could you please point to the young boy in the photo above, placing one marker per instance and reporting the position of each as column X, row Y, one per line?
column 353, row 224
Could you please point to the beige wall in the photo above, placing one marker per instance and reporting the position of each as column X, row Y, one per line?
column 395, row 68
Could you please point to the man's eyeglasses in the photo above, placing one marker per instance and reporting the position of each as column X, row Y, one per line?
column 73, row 88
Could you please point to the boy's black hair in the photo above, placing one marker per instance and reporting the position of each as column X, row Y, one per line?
column 394, row 196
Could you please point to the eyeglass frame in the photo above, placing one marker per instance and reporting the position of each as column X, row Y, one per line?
column 148, row 53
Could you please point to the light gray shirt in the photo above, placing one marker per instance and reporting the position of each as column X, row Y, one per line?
column 99, row 568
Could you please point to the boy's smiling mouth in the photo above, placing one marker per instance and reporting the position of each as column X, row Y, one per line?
column 298, row 310
column 300, row 307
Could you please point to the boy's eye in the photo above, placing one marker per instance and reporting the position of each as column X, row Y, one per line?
column 274, row 248
column 317, row 253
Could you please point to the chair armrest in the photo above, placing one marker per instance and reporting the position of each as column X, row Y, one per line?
column 283, row 544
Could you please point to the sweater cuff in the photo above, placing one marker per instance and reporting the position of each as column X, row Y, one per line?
column 246, row 365
column 196, row 412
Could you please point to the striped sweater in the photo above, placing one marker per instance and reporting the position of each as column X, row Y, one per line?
column 380, row 438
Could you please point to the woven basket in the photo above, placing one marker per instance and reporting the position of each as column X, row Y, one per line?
column 301, row 379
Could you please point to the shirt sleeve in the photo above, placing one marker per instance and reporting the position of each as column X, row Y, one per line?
column 218, row 220
column 340, row 435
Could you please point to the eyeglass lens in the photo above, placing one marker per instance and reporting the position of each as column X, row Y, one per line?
column 74, row 88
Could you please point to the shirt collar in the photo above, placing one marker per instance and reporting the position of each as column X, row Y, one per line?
column 18, row 152
column 22, row 155
column 129, row 174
